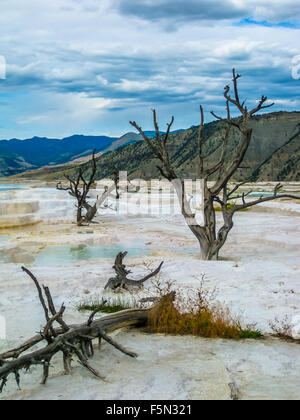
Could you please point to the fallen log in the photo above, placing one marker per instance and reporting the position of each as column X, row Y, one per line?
column 70, row 340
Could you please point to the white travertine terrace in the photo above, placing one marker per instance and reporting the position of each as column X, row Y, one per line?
column 18, row 213
column 31, row 205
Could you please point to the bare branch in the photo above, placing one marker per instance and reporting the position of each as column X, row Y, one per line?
column 159, row 147
column 261, row 105
column 168, row 131
column 265, row 199
column 155, row 124
column 92, row 316
column 146, row 138
column 40, row 293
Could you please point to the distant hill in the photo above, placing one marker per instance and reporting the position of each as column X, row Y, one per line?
column 272, row 155
column 123, row 141
column 11, row 163
column 130, row 138
column 20, row 155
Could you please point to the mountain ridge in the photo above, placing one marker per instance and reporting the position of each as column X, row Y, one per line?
column 17, row 156
column 271, row 132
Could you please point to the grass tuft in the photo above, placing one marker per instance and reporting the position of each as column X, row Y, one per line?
column 215, row 322
column 251, row 334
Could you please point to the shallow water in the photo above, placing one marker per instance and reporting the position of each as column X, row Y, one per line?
column 65, row 255
column 4, row 240
column 55, row 255
column 260, row 194
column 10, row 187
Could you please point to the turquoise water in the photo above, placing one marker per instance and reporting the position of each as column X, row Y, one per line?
column 55, row 255
column 60, row 255
column 10, row 187
column 259, row 194
column 66, row 255
column 4, row 239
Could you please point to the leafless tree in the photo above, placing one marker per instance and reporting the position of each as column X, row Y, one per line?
column 79, row 188
column 211, row 239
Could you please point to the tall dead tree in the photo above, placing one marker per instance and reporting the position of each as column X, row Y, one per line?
column 79, row 188
column 210, row 238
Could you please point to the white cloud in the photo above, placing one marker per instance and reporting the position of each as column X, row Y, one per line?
column 77, row 62
column 292, row 103
column 276, row 10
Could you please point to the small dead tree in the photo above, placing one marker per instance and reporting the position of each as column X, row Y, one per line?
column 121, row 281
column 79, row 188
column 209, row 237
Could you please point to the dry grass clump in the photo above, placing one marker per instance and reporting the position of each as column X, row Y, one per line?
column 195, row 315
column 166, row 318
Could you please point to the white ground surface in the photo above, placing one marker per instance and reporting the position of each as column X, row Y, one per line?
column 258, row 278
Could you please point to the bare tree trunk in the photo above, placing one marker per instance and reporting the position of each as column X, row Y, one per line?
column 91, row 212
column 79, row 215
column 205, row 235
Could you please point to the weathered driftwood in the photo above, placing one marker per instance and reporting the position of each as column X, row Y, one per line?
column 121, row 281
column 70, row 340
column 210, row 238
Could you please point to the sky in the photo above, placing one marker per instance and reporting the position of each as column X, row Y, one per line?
column 89, row 66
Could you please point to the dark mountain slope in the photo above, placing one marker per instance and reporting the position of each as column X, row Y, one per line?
column 284, row 163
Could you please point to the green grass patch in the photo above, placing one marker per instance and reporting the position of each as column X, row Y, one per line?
column 251, row 334
column 108, row 308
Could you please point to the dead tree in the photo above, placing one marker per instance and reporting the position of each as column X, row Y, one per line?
column 79, row 188
column 209, row 237
column 121, row 281
column 69, row 340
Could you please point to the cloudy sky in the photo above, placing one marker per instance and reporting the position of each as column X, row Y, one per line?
column 89, row 66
